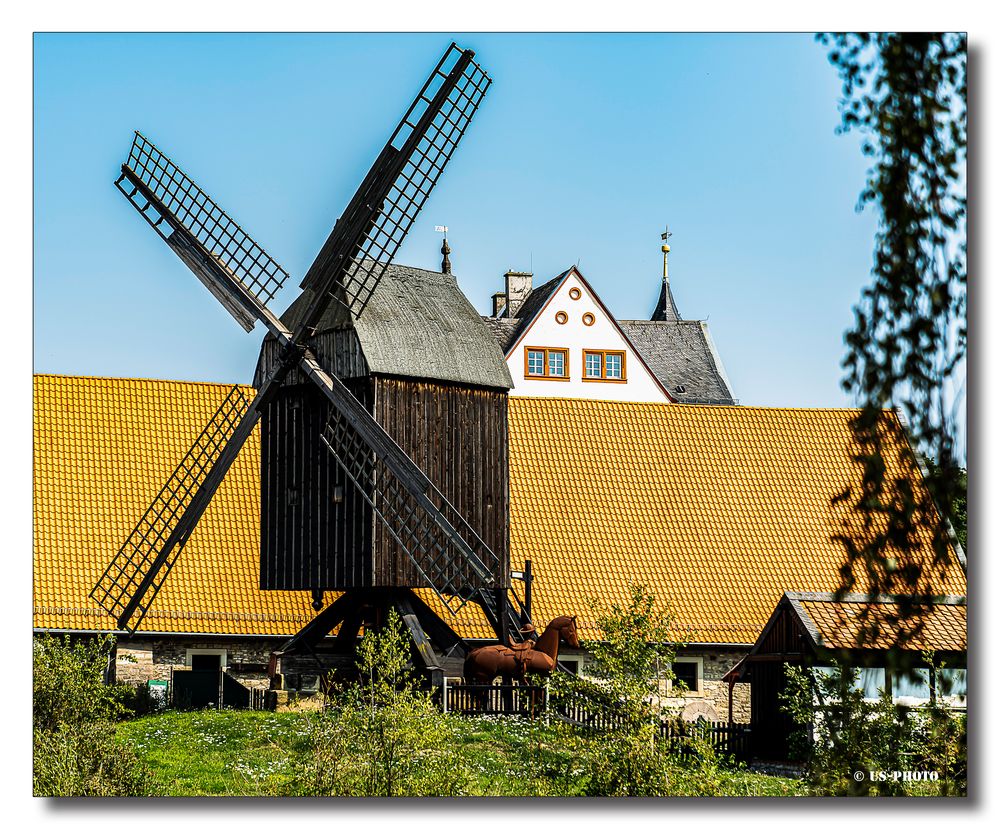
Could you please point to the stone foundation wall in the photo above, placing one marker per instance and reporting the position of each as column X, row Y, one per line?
column 712, row 699
column 140, row 659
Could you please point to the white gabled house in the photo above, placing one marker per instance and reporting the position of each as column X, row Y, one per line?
column 569, row 345
column 560, row 340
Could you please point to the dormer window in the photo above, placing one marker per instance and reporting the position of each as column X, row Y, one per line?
column 604, row 365
column 546, row 363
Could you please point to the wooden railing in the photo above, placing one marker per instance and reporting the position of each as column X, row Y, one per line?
column 581, row 712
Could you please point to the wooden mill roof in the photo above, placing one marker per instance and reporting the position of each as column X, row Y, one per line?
column 718, row 509
column 418, row 323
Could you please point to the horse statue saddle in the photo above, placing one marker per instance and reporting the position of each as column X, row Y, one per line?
column 522, row 650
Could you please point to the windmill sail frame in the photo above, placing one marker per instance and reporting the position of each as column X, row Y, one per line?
column 448, row 553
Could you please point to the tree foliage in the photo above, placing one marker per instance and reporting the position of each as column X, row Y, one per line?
column 905, row 94
column 631, row 664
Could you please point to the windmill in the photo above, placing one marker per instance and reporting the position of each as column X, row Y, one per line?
column 344, row 505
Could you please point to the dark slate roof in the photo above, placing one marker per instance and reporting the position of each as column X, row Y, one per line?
column 681, row 355
column 505, row 330
column 508, row 329
column 418, row 323
column 666, row 308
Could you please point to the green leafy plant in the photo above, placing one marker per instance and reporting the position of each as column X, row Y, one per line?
column 844, row 738
column 74, row 746
column 626, row 679
column 383, row 736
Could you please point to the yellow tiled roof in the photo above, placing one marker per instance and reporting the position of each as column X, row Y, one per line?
column 717, row 509
column 942, row 626
column 103, row 447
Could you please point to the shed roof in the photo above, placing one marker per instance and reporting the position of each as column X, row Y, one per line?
column 418, row 323
column 848, row 622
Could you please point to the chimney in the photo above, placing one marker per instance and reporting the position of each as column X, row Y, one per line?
column 518, row 284
column 499, row 301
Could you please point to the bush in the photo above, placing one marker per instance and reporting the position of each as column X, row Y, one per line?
column 75, row 752
column 383, row 736
column 86, row 761
column 68, row 683
column 841, row 733
column 625, row 683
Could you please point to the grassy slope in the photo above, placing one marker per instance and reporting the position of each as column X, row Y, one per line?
column 259, row 753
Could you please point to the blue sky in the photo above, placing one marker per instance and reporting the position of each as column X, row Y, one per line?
column 585, row 147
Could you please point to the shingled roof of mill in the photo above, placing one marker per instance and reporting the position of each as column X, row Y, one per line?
column 418, row 323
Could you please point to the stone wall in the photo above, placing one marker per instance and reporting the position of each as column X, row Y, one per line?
column 711, row 700
column 141, row 658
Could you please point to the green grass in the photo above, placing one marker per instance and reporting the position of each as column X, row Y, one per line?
column 261, row 753
column 220, row 753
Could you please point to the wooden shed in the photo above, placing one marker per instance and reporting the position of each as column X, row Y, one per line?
column 819, row 630
column 425, row 365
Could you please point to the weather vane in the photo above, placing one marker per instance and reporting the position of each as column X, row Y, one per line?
column 665, row 236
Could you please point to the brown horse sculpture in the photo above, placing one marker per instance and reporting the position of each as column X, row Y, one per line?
column 483, row 665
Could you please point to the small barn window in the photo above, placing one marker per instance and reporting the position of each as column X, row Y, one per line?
column 604, row 365
column 588, row 319
column 562, row 317
column 546, row 363
column 201, row 659
column 687, row 670
column 574, row 293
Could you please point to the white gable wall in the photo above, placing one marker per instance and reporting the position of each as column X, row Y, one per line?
column 576, row 337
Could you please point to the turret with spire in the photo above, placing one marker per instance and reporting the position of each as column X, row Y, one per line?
column 666, row 308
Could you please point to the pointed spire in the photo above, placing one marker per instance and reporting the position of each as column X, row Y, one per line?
column 445, row 261
column 445, row 250
column 666, row 308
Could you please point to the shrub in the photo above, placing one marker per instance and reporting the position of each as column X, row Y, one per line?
column 68, row 683
column 75, row 752
column 86, row 761
column 841, row 734
column 625, row 680
column 383, row 736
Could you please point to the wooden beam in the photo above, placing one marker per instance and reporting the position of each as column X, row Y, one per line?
column 319, row 627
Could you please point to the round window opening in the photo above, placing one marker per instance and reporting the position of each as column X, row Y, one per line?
column 588, row 319
column 574, row 293
column 562, row 317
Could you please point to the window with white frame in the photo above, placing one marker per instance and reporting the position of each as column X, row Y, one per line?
column 688, row 670
column 952, row 684
column 573, row 664
column 869, row 680
column 557, row 364
column 205, row 658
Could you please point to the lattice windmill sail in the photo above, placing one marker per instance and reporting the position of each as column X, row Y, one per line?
column 446, row 551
